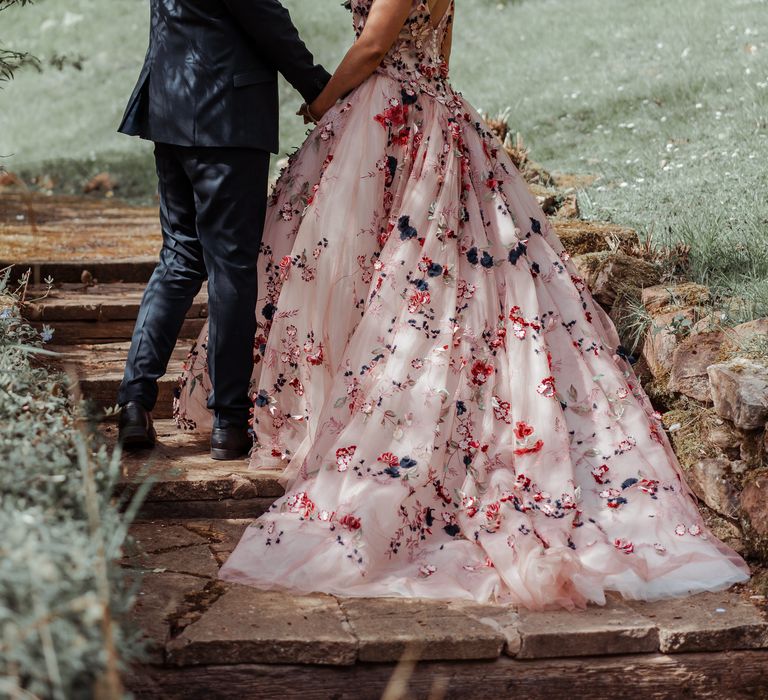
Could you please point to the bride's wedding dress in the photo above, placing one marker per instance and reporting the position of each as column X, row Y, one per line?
column 455, row 414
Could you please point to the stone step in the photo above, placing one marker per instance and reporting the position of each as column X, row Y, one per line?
column 136, row 270
column 62, row 237
column 200, row 629
column 187, row 483
column 100, row 371
column 104, row 313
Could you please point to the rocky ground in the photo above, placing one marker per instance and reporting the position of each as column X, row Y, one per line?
column 709, row 379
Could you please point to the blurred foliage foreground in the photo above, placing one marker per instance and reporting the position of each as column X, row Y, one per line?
column 63, row 596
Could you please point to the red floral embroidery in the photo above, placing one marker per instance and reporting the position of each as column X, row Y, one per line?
column 395, row 115
column 350, row 522
column 501, row 410
column 301, row 503
column 388, row 458
column 536, row 447
column 547, row 387
column 481, row 371
column 344, row 457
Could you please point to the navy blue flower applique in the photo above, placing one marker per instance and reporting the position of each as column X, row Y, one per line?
column 406, row 230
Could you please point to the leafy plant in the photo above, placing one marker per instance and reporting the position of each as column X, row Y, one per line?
column 11, row 60
column 62, row 595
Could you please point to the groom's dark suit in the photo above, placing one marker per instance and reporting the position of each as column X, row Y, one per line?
column 208, row 97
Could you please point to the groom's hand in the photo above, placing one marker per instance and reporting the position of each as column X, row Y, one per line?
column 304, row 112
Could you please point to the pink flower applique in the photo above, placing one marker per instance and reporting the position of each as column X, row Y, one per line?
column 427, row 570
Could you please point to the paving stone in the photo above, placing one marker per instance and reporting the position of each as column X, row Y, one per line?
column 161, row 595
column 224, row 509
column 611, row 629
column 503, row 618
column 100, row 370
column 246, row 625
column 222, row 535
column 159, row 536
column 187, row 483
column 197, row 560
column 102, row 302
column 706, row 622
column 389, row 629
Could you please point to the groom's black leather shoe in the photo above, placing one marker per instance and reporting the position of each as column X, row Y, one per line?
column 136, row 431
column 230, row 443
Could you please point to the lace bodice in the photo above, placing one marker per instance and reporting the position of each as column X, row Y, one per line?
column 416, row 57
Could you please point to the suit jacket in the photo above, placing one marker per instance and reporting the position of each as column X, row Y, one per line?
column 210, row 74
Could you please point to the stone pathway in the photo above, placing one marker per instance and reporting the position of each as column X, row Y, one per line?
column 211, row 639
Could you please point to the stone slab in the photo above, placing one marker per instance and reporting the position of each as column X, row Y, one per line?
column 222, row 535
column 739, row 675
column 599, row 630
column 102, row 332
column 101, row 302
column 706, row 622
column 159, row 536
column 391, row 629
column 187, row 483
column 246, row 625
column 224, row 509
column 161, row 595
column 100, row 370
column 196, row 560
column 503, row 618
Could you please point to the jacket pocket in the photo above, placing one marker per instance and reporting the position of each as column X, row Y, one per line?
column 255, row 76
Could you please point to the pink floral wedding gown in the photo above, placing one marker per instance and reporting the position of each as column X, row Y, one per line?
column 454, row 413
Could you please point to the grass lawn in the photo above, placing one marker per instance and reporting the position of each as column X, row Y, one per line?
column 667, row 101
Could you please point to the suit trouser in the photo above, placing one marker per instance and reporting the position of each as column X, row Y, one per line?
column 212, row 208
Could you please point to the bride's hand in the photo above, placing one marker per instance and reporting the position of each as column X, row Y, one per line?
column 319, row 107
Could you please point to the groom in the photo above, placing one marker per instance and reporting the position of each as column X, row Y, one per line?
column 208, row 97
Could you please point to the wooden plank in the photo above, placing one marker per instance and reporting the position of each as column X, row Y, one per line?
column 732, row 675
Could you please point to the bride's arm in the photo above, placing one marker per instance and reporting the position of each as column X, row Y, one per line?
column 381, row 30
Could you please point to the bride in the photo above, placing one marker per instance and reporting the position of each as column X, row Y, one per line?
column 454, row 414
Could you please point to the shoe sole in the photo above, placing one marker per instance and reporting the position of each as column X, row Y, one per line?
column 222, row 455
column 138, row 439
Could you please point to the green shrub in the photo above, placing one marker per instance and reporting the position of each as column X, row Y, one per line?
column 62, row 595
